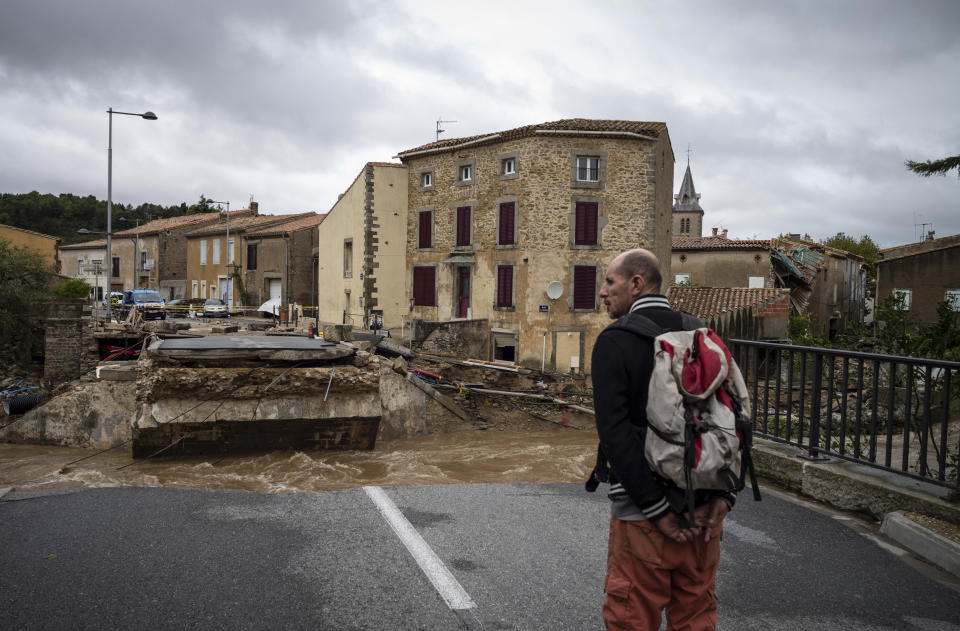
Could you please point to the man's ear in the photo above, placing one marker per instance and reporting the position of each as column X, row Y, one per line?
column 638, row 285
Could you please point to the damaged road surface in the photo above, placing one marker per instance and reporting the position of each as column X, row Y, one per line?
column 223, row 394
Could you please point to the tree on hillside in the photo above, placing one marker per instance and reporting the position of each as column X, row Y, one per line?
column 935, row 167
column 202, row 206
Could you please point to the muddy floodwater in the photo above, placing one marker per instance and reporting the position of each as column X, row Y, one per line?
column 560, row 455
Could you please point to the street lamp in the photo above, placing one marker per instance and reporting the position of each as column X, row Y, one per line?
column 150, row 116
column 226, row 256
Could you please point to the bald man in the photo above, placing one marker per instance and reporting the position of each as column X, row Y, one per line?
column 654, row 563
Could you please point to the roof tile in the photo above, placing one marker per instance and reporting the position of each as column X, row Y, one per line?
column 718, row 243
column 708, row 301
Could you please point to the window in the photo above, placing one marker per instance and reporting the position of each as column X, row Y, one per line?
column 251, row 256
column 195, row 290
column 681, row 279
column 952, row 296
column 203, row 289
column 685, row 226
column 203, row 252
column 143, row 261
column 79, row 267
column 504, row 286
column 425, row 229
column 588, row 169
column 584, row 287
column 756, row 282
column 115, row 271
column 425, row 180
column 348, row 258
column 424, row 286
column 585, row 230
column 230, row 251
column 463, row 226
column 216, row 251
column 466, row 171
column 506, row 226
column 904, row 295
column 213, row 291
column 509, row 163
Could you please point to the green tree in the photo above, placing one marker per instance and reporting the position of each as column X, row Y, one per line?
column 865, row 247
column 26, row 279
column 934, row 167
column 202, row 206
column 72, row 288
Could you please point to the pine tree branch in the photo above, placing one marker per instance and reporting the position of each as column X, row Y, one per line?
column 934, row 167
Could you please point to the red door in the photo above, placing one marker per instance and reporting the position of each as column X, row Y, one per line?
column 463, row 293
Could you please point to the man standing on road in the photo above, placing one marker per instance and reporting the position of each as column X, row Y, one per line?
column 654, row 562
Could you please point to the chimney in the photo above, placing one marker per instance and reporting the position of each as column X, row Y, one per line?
column 255, row 207
column 714, row 232
column 724, row 233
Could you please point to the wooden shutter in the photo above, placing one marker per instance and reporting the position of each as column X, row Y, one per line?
column 505, row 285
column 584, row 287
column 424, row 280
column 507, row 222
column 586, row 228
column 463, row 225
column 426, row 229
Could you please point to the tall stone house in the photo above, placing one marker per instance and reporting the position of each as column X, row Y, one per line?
column 280, row 261
column 687, row 213
column 213, row 261
column 495, row 219
column 361, row 264
column 923, row 274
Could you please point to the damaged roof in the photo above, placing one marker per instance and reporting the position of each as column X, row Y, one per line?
column 585, row 125
column 708, row 301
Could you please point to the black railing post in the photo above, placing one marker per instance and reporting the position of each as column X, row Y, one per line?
column 815, row 405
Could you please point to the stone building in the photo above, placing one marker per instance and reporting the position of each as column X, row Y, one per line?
column 923, row 274
column 717, row 261
column 361, row 267
column 280, row 261
column 494, row 219
column 43, row 244
column 687, row 213
column 210, row 256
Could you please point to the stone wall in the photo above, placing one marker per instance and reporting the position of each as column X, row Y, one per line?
column 462, row 338
column 67, row 343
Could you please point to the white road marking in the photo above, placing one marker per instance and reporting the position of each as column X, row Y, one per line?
column 449, row 588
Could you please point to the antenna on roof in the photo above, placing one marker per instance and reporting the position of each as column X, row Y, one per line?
column 440, row 120
column 920, row 231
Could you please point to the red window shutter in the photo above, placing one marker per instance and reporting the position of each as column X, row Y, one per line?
column 586, row 227
column 507, row 222
column 426, row 229
column 584, row 287
column 505, row 285
column 463, row 225
column 424, row 280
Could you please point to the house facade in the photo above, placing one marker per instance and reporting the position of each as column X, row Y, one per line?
column 214, row 260
column 923, row 274
column 280, row 261
column 361, row 264
column 43, row 244
column 496, row 219
column 86, row 262
column 717, row 261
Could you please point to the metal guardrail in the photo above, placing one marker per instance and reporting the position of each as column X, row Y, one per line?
column 884, row 411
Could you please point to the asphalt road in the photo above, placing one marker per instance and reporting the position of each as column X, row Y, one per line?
column 526, row 556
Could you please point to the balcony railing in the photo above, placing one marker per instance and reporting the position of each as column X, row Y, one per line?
column 898, row 414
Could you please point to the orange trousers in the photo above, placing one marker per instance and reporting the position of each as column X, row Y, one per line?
column 648, row 573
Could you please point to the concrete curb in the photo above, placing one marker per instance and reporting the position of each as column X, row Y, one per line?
column 882, row 495
column 924, row 542
column 4, row 490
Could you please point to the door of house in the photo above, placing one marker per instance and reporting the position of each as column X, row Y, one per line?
column 463, row 292
column 274, row 288
column 225, row 290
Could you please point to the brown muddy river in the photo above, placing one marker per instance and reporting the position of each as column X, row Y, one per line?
column 560, row 455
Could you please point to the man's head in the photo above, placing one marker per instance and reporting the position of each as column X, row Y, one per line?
column 632, row 274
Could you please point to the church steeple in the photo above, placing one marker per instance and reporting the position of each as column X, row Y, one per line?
column 687, row 198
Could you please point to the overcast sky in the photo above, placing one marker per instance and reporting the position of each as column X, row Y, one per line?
column 799, row 115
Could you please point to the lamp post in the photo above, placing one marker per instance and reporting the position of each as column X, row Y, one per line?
column 150, row 116
column 226, row 255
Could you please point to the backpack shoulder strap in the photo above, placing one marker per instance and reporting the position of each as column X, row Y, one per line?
column 691, row 322
column 639, row 325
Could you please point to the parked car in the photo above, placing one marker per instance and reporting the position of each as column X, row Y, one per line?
column 148, row 301
column 184, row 307
column 215, row 308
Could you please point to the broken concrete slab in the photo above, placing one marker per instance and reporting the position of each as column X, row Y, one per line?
column 269, row 348
column 118, row 371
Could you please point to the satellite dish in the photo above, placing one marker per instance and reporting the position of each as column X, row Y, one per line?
column 554, row 290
